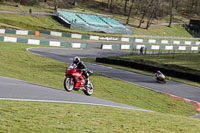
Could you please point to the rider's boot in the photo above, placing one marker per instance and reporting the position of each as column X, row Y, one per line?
column 86, row 82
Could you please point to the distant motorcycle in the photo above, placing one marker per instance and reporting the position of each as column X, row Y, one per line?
column 160, row 78
column 75, row 80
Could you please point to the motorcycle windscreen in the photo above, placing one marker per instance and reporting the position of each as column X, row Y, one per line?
column 71, row 66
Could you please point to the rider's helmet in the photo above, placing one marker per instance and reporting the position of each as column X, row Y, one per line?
column 158, row 71
column 76, row 60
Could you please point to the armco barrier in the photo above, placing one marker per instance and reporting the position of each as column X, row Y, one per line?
column 17, row 32
column 183, row 74
column 42, row 42
column 123, row 39
column 150, row 47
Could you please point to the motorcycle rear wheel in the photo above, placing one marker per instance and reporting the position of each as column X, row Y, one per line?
column 161, row 81
column 67, row 85
column 164, row 81
column 90, row 89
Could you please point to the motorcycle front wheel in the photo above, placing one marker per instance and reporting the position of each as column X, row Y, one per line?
column 89, row 89
column 68, row 85
column 161, row 81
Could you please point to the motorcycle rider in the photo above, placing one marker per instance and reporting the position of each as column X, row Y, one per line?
column 158, row 74
column 82, row 67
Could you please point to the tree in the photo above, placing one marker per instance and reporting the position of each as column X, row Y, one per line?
column 55, row 4
column 153, row 12
column 194, row 6
column 129, row 14
column 177, row 4
column 125, row 5
column 145, row 12
column 171, row 13
column 110, row 6
column 109, row 3
column 74, row 3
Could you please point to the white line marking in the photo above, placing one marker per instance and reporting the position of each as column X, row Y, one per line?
column 52, row 101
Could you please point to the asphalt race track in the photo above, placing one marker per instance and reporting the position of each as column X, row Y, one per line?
column 173, row 88
column 13, row 89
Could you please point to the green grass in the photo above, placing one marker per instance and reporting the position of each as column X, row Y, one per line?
column 16, row 62
column 175, row 31
column 185, row 60
column 6, row 26
column 9, row 6
column 29, row 22
column 39, row 117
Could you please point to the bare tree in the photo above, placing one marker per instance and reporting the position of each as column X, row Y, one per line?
column 177, row 2
column 125, row 5
column 129, row 14
column 55, row 4
column 171, row 13
column 153, row 12
column 194, row 6
column 109, row 4
column 138, row 7
column 74, row 3
column 145, row 12
column 193, row 3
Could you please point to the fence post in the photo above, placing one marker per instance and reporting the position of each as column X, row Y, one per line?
column 173, row 55
column 145, row 52
column 158, row 52
column 30, row 11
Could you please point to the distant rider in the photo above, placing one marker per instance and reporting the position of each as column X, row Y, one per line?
column 82, row 67
column 158, row 74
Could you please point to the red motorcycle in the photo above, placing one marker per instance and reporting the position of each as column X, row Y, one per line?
column 75, row 80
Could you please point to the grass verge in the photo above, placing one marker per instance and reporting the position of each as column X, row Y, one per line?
column 175, row 31
column 59, row 117
column 16, row 62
